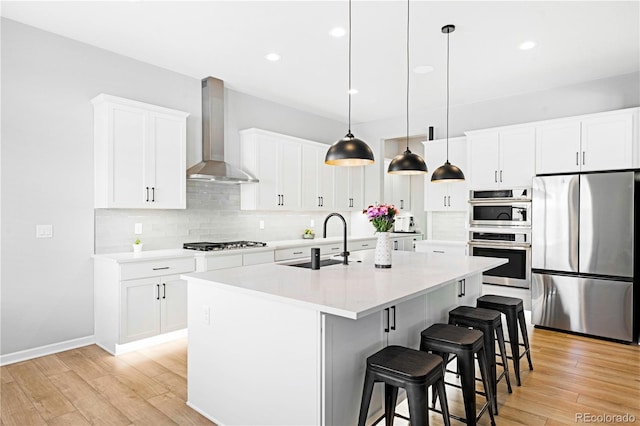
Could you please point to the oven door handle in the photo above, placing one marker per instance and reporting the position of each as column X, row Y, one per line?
column 516, row 246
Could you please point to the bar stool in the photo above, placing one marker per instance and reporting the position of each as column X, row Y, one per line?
column 415, row 371
column 514, row 311
column 446, row 339
column 489, row 322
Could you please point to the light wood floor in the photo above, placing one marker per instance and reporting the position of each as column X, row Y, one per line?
column 84, row 386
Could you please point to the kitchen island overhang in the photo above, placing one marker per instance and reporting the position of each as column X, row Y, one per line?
column 276, row 344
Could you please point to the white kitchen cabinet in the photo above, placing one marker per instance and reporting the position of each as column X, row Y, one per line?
column 445, row 196
column 139, row 299
column 139, row 155
column 587, row 143
column 397, row 189
column 501, row 158
column 151, row 306
column 349, row 188
column 468, row 290
column 404, row 242
column 214, row 261
column 318, row 179
column 276, row 161
column 457, row 248
column 406, row 321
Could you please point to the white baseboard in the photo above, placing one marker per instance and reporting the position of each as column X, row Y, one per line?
column 46, row 350
column 149, row 341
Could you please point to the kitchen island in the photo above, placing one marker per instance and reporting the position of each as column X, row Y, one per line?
column 275, row 344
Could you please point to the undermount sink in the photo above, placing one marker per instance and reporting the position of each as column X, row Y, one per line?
column 323, row 262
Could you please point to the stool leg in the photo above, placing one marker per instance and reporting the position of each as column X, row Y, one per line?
column 444, row 406
column 525, row 337
column 418, row 409
column 445, row 359
column 484, row 374
column 390, row 398
column 512, row 328
column 503, row 356
column 466, row 369
column 490, row 353
column 366, row 398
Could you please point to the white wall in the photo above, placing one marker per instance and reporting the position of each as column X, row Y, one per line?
column 47, row 169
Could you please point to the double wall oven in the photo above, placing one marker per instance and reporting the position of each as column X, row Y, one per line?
column 500, row 226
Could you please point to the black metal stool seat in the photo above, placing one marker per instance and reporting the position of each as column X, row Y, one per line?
column 415, row 371
column 465, row 344
column 489, row 322
column 513, row 309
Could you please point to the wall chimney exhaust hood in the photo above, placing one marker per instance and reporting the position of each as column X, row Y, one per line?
column 213, row 167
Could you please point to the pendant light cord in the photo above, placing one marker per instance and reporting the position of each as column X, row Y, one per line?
column 448, row 33
column 349, row 92
column 408, row 75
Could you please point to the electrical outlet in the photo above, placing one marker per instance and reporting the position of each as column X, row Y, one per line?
column 206, row 315
column 261, row 224
column 44, row 231
column 138, row 229
column 312, row 223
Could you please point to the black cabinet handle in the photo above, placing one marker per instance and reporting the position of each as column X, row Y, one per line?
column 386, row 328
column 464, row 287
column 160, row 269
column 365, row 245
column 577, row 158
column 393, row 327
column 583, row 158
column 147, row 194
column 298, row 252
column 153, row 194
column 158, row 291
column 495, row 176
column 449, row 200
column 438, row 251
column 164, row 291
column 282, row 200
column 500, row 175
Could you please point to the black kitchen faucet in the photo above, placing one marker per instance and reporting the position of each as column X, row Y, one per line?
column 345, row 253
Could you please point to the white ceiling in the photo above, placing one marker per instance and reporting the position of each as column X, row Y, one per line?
column 576, row 41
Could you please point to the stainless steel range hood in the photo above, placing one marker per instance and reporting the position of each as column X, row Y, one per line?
column 213, row 167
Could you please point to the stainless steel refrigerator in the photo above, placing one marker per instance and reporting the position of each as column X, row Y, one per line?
column 583, row 253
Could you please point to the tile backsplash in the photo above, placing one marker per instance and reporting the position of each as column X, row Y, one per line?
column 212, row 214
column 449, row 226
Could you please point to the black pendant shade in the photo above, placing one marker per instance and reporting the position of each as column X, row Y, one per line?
column 349, row 151
column 407, row 163
column 447, row 172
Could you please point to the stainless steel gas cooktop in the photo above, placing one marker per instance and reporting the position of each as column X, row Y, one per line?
column 229, row 245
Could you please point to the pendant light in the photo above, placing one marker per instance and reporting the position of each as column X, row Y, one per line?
column 407, row 163
column 447, row 172
column 349, row 151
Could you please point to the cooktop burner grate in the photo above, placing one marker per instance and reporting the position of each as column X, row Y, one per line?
column 228, row 245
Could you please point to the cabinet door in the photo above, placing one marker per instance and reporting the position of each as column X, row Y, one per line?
column 289, row 158
column 435, row 193
column 128, row 150
column 349, row 191
column 469, row 290
column 356, row 185
column 607, row 142
column 397, row 189
column 140, row 309
column 326, row 183
column 167, row 161
column 406, row 321
column 310, row 174
column 268, row 192
column 458, row 192
column 484, row 160
column 517, row 152
column 173, row 303
column 558, row 147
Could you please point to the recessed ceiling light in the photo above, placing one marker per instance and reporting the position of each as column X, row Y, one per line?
column 423, row 69
column 353, row 91
column 273, row 57
column 338, row 32
column 527, row 45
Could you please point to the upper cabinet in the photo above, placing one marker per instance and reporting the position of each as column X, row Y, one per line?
column 349, row 188
column 319, row 179
column 445, row 196
column 397, row 189
column 595, row 142
column 139, row 155
column 276, row 161
column 502, row 157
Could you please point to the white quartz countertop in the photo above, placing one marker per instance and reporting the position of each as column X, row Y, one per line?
column 144, row 255
column 351, row 291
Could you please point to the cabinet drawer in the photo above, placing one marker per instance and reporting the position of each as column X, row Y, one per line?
column 292, row 253
column 222, row 262
column 257, row 258
column 362, row 245
column 330, row 249
column 156, row 268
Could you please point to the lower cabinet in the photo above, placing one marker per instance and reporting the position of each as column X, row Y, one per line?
column 152, row 306
column 135, row 300
column 405, row 243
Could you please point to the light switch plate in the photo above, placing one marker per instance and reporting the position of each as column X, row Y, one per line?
column 138, row 229
column 44, row 231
